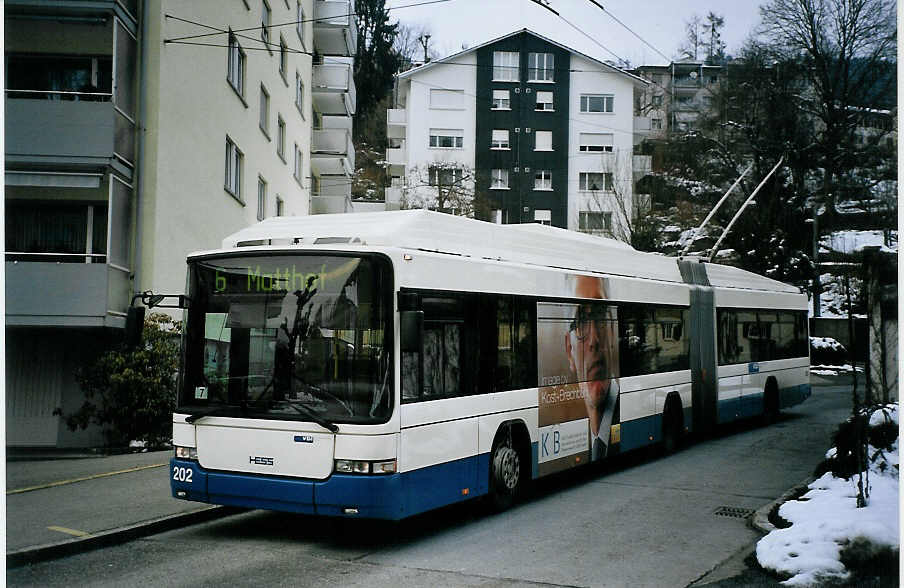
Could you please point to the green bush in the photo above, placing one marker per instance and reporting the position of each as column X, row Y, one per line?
column 131, row 393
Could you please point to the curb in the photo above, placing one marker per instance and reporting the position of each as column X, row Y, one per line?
column 40, row 553
column 760, row 519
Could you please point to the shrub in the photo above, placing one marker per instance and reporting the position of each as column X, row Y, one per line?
column 827, row 351
column 131, row 393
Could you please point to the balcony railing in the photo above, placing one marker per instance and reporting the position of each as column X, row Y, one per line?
column 396, row 156
column 332, row 152
column 397, row 116
column 334, row 89
column 330, row 204
column 335, row 30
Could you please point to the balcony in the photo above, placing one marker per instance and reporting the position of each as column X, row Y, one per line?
column 332, row 152
column 396, row 123
column 333, row 89
column 85, row 134
column 335, row 31
column 330, row 204
column 67, row 262
column 397, row 156
column 641, row 165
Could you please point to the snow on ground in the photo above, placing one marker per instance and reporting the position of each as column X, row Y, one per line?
column 826, row 519
column 826, row 343
column 855, row 241
column 834, row 370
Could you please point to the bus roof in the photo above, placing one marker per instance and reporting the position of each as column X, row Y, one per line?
column 532, row 244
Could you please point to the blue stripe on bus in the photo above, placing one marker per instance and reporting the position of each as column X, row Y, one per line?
column 792, row 395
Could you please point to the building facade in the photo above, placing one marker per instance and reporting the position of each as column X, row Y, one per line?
column 520, row 129
column 678, row 95
column 138, row 131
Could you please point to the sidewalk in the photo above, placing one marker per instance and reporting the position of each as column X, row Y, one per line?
column 59, row 503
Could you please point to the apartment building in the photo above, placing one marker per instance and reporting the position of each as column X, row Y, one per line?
column 523, row 127
column 677, row 95
column 138, row 131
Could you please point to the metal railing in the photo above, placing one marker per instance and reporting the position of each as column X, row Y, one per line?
column 49, row 256
column 60, row 95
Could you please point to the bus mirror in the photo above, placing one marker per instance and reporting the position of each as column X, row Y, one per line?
column 134, row 326
column 411, row 330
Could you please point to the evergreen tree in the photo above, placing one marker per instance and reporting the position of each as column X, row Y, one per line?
column 375, row 62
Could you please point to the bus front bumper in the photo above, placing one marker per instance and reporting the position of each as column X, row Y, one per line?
column 344, row 495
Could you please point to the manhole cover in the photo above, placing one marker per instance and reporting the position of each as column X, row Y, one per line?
column 733, row 511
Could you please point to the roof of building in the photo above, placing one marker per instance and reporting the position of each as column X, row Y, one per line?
column 531, row 244
column 426, row 66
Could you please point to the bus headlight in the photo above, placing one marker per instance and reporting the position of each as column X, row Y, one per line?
column 350, row 466
column 186, row 452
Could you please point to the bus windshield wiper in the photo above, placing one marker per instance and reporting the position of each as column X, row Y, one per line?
column 217, row 411
column 311, row 414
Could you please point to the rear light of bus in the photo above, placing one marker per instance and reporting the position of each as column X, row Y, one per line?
column 186, row 452
column 349, row 466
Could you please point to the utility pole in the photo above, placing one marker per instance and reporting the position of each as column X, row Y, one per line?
column 816, row 285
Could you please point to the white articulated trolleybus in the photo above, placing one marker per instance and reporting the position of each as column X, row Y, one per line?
column 385, row 364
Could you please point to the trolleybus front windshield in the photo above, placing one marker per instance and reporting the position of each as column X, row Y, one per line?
column 300, row 337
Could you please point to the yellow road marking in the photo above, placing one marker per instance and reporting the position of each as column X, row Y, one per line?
column 93, row 477
column 70, row 531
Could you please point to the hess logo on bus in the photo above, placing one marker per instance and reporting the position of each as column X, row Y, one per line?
column 260, row 460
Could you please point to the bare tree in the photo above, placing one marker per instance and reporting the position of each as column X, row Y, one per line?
column 613, row 209
column 408, row 44
column 693, row 37
column 849, row 48
column 712, row 36
column 441, row 186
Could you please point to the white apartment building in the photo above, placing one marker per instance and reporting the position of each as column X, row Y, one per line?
column 530, row 129
column 138, row 131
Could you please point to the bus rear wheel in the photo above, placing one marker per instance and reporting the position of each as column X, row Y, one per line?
column 505, row 474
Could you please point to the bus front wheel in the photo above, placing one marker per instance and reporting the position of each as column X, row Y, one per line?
column 505, row 473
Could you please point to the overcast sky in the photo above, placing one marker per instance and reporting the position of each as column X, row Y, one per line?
column 659, row 22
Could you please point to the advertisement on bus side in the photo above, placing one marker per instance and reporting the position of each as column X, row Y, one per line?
column 578, row 375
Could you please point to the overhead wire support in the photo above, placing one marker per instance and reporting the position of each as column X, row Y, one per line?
column 741, row 210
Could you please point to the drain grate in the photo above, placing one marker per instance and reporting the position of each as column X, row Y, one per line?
column 733, row 511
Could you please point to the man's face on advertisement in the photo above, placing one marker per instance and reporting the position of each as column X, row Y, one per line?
column 589, row 341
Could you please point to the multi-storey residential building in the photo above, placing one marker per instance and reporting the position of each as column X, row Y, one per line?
column 138, row 131
column 678, row 94
column 531, row 130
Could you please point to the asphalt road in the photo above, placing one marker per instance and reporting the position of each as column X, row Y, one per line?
column 641, row 521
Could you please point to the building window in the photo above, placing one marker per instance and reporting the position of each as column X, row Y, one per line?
column 656, row 124
column 594, row 181
column 543, row 141
column 299, row 94
column 543, row 179
column 298, row 162
column 235, row 71
column 281, row 137
column 283, row 58
column 447, row 99
column 656, row 101
column 597, row 103
column 501, row 100
column 544, row 101
column 505, row 66
column 279, row 206
column 265, row 23
column 234, row 157
column 540, row 67
column 447, row 138
column 299, row 24
column 261, row 198
column 543, row 217
column 500, row 139
column 264, row 119
column 595, row 142
column 444, row 176
column 499, row 179
column 596, row 223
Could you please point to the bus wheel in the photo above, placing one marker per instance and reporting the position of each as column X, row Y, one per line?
column 672, row 424
column 770, row 403
column 505, row 473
